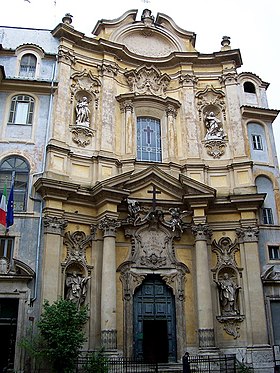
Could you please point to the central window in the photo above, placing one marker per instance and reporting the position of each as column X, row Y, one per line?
column 148, row 139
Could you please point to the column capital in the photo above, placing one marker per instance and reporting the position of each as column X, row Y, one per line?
column 54, row 225
column 201, row 232
column 127, row 106
column 109, row 226
column 248, row 234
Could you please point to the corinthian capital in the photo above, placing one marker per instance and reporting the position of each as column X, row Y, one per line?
column 201, row 232
column 54, row 225
column 248, row 234
column 109, row 226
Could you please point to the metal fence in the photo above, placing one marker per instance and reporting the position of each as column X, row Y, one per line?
column 116, row 365
column 206, row 363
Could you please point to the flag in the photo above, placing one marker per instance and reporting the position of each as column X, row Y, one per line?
column 3, row 206
column 10, row 205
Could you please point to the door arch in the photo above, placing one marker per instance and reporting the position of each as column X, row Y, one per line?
column 154, row 321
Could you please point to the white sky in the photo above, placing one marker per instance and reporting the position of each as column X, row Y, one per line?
column 253, row 26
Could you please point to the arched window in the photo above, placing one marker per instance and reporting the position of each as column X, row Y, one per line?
column 20, row 168
column 22, row 109
column 28, row 64
column 148, row 139
column 249, row 87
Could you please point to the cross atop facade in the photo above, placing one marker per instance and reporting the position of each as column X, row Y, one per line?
column 155, row 192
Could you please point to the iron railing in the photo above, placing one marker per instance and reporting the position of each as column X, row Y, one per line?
column 208, row 363
column 118, row 365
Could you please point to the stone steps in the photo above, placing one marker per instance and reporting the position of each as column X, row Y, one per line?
column 170, row 368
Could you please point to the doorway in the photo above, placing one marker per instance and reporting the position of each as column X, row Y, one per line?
column 154, row 321
column 8, row 328
column 155, row 341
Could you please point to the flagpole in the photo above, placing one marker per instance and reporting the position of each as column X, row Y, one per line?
column 10, row 205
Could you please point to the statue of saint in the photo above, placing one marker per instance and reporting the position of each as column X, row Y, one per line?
column 228, row 291
column 82, row 112
column 77, row 288
column 213, row 126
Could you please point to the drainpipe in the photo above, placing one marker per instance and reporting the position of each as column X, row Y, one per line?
column 40, row 200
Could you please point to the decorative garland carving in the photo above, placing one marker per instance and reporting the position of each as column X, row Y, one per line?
column 76, row 244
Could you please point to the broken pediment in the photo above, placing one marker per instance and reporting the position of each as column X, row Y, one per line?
column 150, row 36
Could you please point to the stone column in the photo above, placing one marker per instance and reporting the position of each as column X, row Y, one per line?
column 108, row 285
column 253, row 289
column 204, row 299
column 53, row 241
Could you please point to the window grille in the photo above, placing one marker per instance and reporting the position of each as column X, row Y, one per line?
column 148, row 139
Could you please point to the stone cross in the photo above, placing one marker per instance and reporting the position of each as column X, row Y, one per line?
column 155, row 192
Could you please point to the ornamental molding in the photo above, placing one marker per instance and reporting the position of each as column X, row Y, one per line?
column 147, row 80
column 231, row 325
column 215, row 148
column 208, row 97
column 271, row 274
column 225, row 251
column 76, row 244
column 82, row 135
column 85, row 82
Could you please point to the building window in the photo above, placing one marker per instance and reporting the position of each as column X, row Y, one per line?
column 148, row 139
column 21, row 171
column 249, row 87
column 267, row 216
column 6, row 247
column 28, row 66
column 22, row 110
column 257, row 142
column 274, row 252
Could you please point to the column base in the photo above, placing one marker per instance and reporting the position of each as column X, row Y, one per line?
column 109, row 339
column 206, row 339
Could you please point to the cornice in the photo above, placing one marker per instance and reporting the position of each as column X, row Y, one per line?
column 259, row 113
column 29, row 85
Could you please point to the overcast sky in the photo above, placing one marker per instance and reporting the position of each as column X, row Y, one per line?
column 253, row 26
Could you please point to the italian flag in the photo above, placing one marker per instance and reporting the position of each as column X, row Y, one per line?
column 3, row 207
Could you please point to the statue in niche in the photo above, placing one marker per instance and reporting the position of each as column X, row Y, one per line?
column 213, row 127
column 77, row 288
column 228, row 294
column 82, row 112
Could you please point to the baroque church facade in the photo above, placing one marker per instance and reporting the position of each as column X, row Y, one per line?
column 151, row 190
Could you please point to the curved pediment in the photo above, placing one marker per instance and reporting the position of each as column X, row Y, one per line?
column 148, row 37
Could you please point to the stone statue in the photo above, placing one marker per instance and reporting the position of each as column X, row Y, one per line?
column 214, row 129
column 82, row 112
column 77, row 288
column 228, row 291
